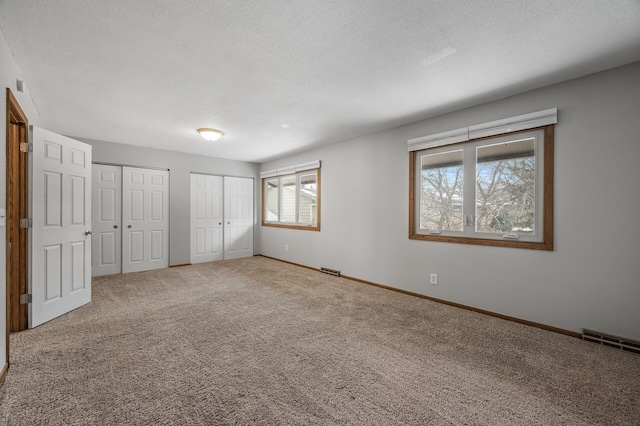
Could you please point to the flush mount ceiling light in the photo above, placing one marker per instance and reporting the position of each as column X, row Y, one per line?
column 210, row 134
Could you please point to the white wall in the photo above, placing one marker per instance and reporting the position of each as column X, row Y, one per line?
column 180, row 166
column 591, row 279
column 9, row 73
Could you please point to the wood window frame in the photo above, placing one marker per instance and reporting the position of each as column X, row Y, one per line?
column 264, row 222
column 547, row 218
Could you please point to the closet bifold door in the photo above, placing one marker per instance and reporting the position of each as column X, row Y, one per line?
column 238, row 217
column 106, row 220
column 206, row 218
column 145, row 219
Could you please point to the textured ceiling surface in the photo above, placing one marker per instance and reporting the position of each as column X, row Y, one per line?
column 149, row 72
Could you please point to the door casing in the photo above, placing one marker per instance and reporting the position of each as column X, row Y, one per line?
column 16, row 209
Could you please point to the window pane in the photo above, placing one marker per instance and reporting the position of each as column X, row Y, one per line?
column 505, row 193
column 271, row 193
column 308, row 198
column 441, row 194
column 288, row 185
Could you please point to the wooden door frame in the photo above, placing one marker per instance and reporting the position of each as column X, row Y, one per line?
column 16, row 208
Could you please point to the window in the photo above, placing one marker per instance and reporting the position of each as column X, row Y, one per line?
column 292, row 200
column 494, row 190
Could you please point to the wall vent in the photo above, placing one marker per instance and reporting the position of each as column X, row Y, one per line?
column 328, row 271
column 618, row 342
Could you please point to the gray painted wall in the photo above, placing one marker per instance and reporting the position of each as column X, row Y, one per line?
column 590, row 280
column 180, row 167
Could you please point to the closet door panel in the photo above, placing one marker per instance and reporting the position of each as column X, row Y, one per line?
column 238, row 217
column 206, row 218
column 106, row 219
column 145, row 219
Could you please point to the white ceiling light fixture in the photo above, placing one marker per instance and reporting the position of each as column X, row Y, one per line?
column 209, row 134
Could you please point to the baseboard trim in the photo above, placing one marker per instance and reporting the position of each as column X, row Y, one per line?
column 290, row 263
column 446, row 302
column 3, row 373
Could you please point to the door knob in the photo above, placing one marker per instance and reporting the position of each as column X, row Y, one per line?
column 128, row 226
column 115, row 226
column 219, row 223
column 88, row 232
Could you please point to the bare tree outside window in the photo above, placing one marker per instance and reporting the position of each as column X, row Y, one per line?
column 442, row 184
column 506, row 196
column 505, row 188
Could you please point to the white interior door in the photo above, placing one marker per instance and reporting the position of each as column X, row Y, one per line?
column 145, row 219
column 107, row 220
column 60, row 267
column 206, row 218
column 238, row 217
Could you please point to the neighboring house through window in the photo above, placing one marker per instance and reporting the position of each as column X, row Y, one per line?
column 291, row 197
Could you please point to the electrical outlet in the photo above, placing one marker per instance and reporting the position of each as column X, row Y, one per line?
column 434, row 279
column 286, row 247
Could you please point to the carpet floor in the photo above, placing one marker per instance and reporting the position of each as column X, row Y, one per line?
column 259, row 342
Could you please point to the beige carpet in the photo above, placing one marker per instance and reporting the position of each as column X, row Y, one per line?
column 256, row 341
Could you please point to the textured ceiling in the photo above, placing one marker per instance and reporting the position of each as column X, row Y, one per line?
column 149, row 72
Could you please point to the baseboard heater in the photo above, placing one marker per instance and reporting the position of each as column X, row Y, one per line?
column 328, row 271
column 614, row 341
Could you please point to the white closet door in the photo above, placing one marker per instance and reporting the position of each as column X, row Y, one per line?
column 60, row 183
column 206, row 218
column 238, row 217
column 107, row 220
column 145, row 219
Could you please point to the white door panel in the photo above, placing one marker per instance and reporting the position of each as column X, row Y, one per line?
column 238, row 217
column 145, row 219
column 206, row 218
column 107, row 220
column 60, row 264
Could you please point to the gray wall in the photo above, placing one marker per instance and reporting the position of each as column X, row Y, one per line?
column 590, row 280
column 180, row 167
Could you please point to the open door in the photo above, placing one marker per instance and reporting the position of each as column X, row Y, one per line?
column 60, row 184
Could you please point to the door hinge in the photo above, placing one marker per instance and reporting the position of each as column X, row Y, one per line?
column 25, row 299
column 26, row 147
column 26, row 223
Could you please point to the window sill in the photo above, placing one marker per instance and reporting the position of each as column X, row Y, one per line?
column 546, row 245
column 292, row 226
